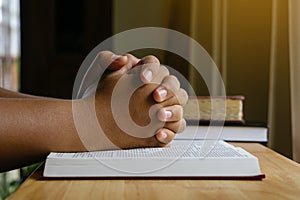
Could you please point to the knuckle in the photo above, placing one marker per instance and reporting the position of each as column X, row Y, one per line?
column 102, row 54
column 182, row 126
column 183, row 96
column 150, row 59
column 171, row 82
column 180, row 112
column 173, row 78
column 130, row 56
column 176, row 127
column 179, row 126
column 164, row 70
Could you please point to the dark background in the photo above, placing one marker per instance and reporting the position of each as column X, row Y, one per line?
column 56, row 36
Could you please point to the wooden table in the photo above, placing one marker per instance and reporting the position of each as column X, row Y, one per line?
column 282, row 182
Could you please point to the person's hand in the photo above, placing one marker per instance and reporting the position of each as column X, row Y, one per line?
column 161, row 92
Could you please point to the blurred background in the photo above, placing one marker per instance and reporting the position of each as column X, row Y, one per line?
column 254, row 43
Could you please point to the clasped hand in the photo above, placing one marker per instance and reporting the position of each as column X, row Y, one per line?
column 157, row 89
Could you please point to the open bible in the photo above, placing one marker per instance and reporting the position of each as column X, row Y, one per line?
column 207, row 159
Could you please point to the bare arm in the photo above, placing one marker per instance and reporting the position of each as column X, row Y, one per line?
column 31, row 128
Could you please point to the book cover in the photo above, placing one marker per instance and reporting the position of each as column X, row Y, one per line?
column 230, row 132
column 205, row 109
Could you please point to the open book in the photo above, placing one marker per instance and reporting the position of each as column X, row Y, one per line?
column 184, row 158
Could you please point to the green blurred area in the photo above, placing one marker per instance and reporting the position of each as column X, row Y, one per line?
column 8, row 185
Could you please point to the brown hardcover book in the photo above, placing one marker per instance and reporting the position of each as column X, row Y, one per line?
column 204, row 109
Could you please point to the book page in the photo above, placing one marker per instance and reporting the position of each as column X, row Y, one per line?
column 197, row 149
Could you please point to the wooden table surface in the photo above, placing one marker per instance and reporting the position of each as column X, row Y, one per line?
column 282, row 182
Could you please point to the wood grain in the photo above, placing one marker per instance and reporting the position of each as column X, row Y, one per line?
column 282, row 182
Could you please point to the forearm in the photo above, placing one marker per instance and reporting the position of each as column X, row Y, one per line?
column 31, row 128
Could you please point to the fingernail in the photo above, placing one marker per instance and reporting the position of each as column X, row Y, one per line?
column 168, row 114
column 163, row 135
column 148, row 75
column 162, row 93
column 115, row 57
